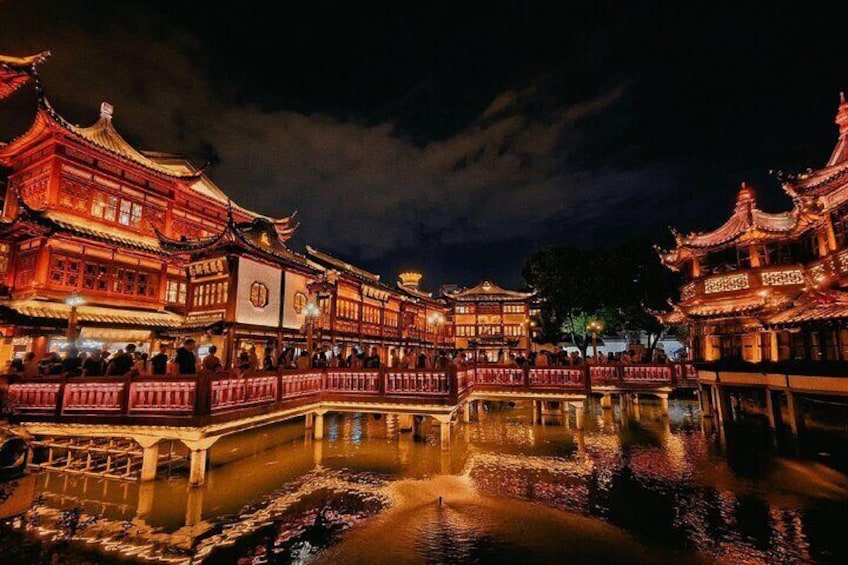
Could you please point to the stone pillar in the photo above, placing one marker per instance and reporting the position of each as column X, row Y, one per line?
column 310, row 421
column 149, row 458
column 535, row 412
column 606, row 401
column 578, row 416
column 318, row 425
column 795, row 415
column 664, row 403
column 445, row 434
column 634, row 397
column 405, row 422
column 466, row 413
column 772, row 409
column 704, row 399
column 198, row 459
column 197, row 467
column 318, row 453
column 722, row 404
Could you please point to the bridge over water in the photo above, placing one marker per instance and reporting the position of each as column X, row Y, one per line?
column 123, row 426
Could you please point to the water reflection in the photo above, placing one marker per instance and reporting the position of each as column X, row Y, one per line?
column 634, row 485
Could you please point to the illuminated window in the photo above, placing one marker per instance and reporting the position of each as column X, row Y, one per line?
column 513, row 308
column 130, row 214
column 259, row 295
column 299, row 302
column 176, row 292
column 104, row 206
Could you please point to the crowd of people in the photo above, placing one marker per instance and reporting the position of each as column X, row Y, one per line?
column 184, row 360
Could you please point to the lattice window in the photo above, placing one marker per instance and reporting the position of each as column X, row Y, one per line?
column 104, row 206
column 74, row 195
column 259, row 295
column 391, row 319
column 727, row 283
column 817, row 272
column 130, row 214
column 843, row 261
column 64, row 271
column 687, row 292
column 175, row 292
column 513, row 308
column 370, row 314
column 26, row 270
column 782, row 278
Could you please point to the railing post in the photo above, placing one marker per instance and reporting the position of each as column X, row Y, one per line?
column 619, row 373
column 60, row 395
column 674, row 369
column 587, row 374
column 203, row 399
column 125, row 396
column 526, row 371
column 383, row 375
column 279, row 398
column 453, row 385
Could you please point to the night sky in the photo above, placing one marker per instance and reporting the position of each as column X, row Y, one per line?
column 454, row 140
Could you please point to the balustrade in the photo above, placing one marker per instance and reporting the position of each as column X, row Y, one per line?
column 357, row 380
column 193, row 398
column 173, row 396
column 426, row 382
column 103, row 396
column 557, row 376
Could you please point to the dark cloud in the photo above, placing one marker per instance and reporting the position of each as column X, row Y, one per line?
column 459, row 154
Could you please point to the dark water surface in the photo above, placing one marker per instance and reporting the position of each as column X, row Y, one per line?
column 635, row 489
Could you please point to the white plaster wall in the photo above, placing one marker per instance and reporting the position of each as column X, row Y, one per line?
column 251, row 271
column 294, row 283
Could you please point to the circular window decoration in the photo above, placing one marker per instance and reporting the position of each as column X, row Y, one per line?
column 259, row 295
column 300, row 300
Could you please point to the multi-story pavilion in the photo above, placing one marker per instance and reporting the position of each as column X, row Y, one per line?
column 770, row 287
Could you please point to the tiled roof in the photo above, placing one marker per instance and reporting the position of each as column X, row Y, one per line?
column 94, row 314
column 487, row 290
column 814, row 307
column 17, row 71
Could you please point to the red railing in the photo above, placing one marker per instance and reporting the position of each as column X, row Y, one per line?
column 173, row 396
column 417, row 382
column 352, row 380
column 94, row 395
column 558, row 377
column 204, row 398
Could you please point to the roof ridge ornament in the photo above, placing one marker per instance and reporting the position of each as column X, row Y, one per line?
column 106, row 111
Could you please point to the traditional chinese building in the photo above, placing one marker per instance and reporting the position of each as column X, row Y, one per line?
column 491, row 319
column 767, row 286
column 158, row 252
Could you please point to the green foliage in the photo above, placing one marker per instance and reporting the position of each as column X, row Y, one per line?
column 616, row 286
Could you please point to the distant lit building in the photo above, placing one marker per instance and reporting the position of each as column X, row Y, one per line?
column 767, row 286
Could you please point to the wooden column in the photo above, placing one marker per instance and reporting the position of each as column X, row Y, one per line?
column 445, row 434
column 772, row 409
column 795, row 415
column 197, row 467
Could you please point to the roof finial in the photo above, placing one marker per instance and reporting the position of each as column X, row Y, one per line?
column 106, row 110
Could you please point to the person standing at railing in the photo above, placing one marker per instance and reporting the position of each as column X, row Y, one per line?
column 159, row 362
column 30, row 365
column 72, row 364
column 122, row 363
column 212, row 363
column 185, row 359
column 303, row 360
column 372, row 361
column 394, row 358
column 93, row 366
column 541, row 359
column 268, row 360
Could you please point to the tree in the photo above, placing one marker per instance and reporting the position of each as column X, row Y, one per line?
column 618, row 286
